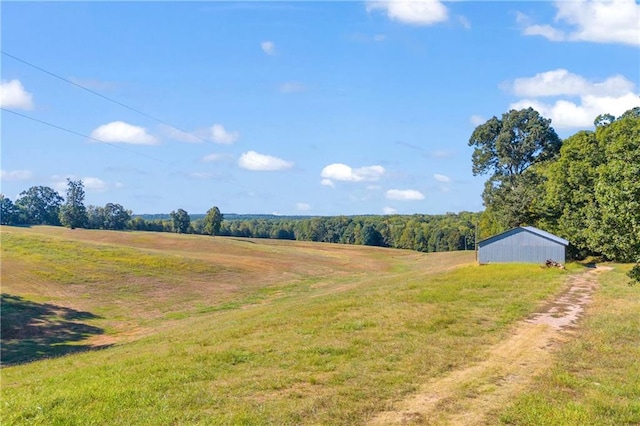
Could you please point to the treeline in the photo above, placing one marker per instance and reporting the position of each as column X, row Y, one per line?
column 42, row 205
column 428, row 233
column 585, row 189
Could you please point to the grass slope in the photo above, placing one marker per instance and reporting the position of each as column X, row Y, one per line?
column 224, row 331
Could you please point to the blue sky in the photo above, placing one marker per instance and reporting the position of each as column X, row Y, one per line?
column 312, row 108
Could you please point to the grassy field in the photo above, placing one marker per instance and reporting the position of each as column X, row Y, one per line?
column 195, row 329
column 596, row 377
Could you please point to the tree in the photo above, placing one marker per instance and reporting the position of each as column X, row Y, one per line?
column 116, row 217
column 570, row 190
column 40, row 205
column 73, row 213
column 213, row 221
column 180, row 221
column 615, row 231
column 371, row 236
column 508, row 148
column 9, row 213
column 95, row 217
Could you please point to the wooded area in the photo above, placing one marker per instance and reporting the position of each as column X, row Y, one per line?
column 585, row 189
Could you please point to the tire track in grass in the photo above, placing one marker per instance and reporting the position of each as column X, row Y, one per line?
column 474, row 395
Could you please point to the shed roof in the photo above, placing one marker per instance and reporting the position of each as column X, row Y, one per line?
column 533, row 230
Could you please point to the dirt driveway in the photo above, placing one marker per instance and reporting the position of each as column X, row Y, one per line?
column 470, row 396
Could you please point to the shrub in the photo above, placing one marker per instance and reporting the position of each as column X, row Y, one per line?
column 634, row 274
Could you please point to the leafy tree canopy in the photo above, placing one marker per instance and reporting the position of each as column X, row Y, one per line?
column 213, row 221
column 510, row 149
column 40, row 205
column 9, row 213
column 180, row 221
column 509, row 146
column 73, row 213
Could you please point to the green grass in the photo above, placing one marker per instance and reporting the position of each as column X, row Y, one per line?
column 596, row 378
column 321, row 342
column 67, row 260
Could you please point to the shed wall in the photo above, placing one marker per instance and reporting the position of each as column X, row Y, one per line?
column 521, row 246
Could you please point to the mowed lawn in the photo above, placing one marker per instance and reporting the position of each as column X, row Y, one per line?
column 211, row 330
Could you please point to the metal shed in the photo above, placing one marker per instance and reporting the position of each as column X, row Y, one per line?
column 524, row 244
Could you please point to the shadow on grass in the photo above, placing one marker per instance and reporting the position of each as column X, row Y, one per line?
column 33, row 331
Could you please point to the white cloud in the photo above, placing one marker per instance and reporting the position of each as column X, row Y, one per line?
column 567, row 114
column 342, row 172
column 292, row 87
column 303, row 207
column 546, row 31
column 220, row 135
column 477, row 120
column 121, row 132
column 404, row 195
column 16, row 174
column 14, row 96
column 608, row 21
column 94, row 184
column 614, row 95
column 389, row 210
column 562, row 82
column 91, row 184
column 268, row 47
column 442, row 178
column 413, row 12
column 327, row 182
column 251, row 160
column 379, row 37
column 216, row 133
column 179, row 135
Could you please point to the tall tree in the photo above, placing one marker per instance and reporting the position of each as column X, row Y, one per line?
column 213, row 221
column 570, row 189
column 371, row 236
column 40, row 205
column 616, row 233
column 116, row 216
column 180, row 221
column 508, row 148
column 9, row 213
column 95, row 217
column 73, row 213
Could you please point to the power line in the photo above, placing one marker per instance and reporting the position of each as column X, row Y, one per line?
column 93, row 92
column 108, row 99
column 55, row 126
column 73, row 132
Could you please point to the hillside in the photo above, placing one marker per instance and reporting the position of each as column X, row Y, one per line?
column 214, row 330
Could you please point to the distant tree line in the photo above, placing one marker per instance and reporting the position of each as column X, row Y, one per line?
column 585, row 189
column 428, row 233
column 42, row 205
